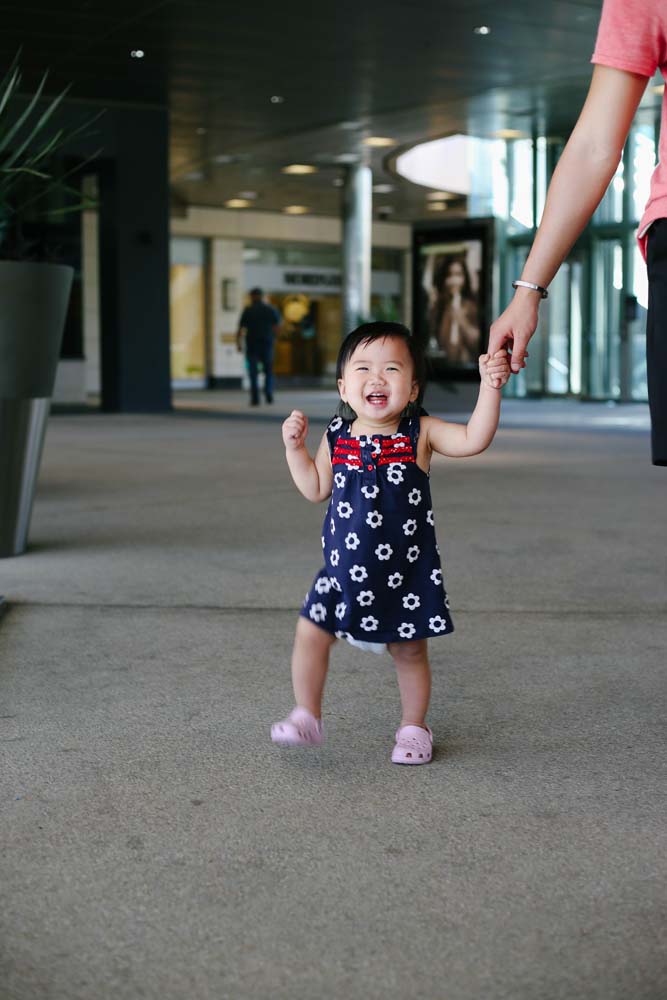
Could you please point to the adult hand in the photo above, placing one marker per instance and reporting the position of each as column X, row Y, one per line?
column 295, row 429
column 514, row 328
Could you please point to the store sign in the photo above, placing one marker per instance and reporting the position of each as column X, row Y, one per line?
column 313, row 280
column 307, row 279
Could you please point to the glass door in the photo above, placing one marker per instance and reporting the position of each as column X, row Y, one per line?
column 607, row 360
column 556, row 349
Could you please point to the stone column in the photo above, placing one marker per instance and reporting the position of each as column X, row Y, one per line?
column 357, row 223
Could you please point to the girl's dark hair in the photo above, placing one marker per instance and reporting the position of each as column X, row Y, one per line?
column 366, row 334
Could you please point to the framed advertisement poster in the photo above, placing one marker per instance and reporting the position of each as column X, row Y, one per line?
column 452, row 293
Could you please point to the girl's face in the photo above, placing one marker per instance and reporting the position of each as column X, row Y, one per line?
column 378, row 380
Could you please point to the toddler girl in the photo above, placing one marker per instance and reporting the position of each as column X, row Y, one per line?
column 381, row 586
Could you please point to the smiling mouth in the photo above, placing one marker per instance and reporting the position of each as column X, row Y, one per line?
column 377, row 398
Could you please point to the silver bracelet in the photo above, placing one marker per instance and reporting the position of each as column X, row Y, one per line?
column 529, row 284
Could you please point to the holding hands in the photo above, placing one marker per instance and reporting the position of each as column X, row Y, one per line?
column 494, row 370
column 295, row 429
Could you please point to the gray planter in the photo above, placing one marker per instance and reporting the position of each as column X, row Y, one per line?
column 33, row 305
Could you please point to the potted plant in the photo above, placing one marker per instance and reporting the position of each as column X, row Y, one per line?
column 34, row 293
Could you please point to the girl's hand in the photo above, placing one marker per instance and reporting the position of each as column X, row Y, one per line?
column 494, row 371
column 295, row 430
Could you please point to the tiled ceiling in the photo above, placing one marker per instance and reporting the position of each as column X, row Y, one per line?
column 407, row 69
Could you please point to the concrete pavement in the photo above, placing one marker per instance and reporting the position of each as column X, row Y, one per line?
column 155, row 844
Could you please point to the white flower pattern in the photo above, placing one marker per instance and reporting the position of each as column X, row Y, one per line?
column 406, row 630
column 400, row 569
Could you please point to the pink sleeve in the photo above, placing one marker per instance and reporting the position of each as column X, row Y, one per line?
column 631, row 36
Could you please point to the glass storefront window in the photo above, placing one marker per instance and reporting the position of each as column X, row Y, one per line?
column 187, row 299
column 610, row 208
column 521, row 167
column 643, row 165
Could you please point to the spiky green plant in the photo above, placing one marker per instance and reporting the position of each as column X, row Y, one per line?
column 30, row 169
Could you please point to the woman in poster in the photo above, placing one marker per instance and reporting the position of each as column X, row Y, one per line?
column 454, row 317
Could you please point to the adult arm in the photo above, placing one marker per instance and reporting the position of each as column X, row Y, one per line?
column 241, row 331
column 580, row 179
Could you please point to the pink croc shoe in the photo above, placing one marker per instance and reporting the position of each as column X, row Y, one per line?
column 299, row 729
column 414, row 745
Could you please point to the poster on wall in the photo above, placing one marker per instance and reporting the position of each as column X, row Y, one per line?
column 452, row 283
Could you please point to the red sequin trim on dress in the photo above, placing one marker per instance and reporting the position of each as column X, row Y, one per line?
column 392, row 450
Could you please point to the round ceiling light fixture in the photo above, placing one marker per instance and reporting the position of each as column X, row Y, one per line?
column 277, row 99
column 299, row 168
column 379, row 141
column 482, row 29
column 383, row 188
column 295, row 209
column 237, row 203
column 439, row 195
column 137, row 54
column 510, row 133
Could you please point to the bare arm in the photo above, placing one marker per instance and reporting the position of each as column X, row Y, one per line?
column 582, row 176
column 312, row 477
column 463, row 440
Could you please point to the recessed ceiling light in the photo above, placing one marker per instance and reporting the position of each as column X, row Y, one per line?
column 347, row 158
column 439, row 195
column 482, row 29
column 277, row 99
column 248, row 195
column 510, row 133
column 237, row 203
column 437, row 206
column 379, row 141
column 383, row 188
column 295, row 209
column 299, row 168
column 137, row 54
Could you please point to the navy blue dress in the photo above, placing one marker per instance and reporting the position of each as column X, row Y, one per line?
column 382, row 578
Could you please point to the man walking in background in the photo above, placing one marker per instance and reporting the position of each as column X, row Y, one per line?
column 259, row 323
